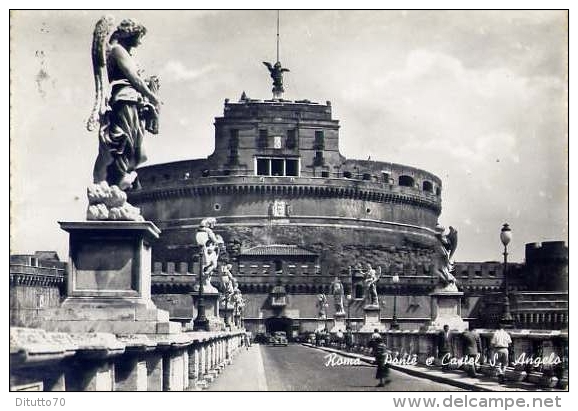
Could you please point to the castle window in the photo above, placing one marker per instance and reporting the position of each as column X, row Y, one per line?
column 347, row 174
column 406, row 181
column 278, row 266
column 291, row 168
column 367, row 176
column 263, row 137
column 438, row 191
column 427, row 186
column 325, row 174
column 319, row 140
column 385, row 177
column 263, row 167
column 318, row 160
column 206, row 173
column 492, row 273
column 291, row 142
column 277, row 167
column 478, row 273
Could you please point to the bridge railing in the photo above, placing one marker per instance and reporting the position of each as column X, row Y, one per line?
column 50, row 361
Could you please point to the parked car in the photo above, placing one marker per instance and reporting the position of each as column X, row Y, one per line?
column 278, row 338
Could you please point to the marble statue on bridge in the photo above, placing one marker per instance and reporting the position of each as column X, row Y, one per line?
column 126, row 105
column 371, row 279
column 338, row 295
column 447, row 244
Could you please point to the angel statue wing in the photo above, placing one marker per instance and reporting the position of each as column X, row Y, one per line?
column 100, row 37
column 269, row 66
column 453, row 240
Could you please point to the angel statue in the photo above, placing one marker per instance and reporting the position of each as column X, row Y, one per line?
column 210, row 244
column 370, row 280
column 338, row 292
column 322, row 306
column 447, row 244
column 125, row 103
column 276, row 72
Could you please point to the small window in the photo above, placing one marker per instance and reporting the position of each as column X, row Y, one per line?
column 406, row 181
column 291, row 168
column 478, row 273
column 385, row 177
column 367, row 176
column 427, row 186
column 278, row 266
column 464, row 273
column 347, row 174
column 325, row 174
column 492, row 273
column 217, row 206
column 263, row 166
column 319, row 140
column 277, row 166
column 291, row 142
column 206, row 173
column 438, row 191
column 318, row 160
column 263, row 138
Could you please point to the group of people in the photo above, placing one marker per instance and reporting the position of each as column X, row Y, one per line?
column 473, row 351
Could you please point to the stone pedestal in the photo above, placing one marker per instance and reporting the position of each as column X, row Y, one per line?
column 371, row 319
column 211, row 303
column 109, row 281
column 321, row 323
column 339, row 323
column 446, row 308
column 226, row 314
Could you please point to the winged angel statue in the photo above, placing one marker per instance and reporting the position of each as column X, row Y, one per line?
column 276, row 72
column 125, row 106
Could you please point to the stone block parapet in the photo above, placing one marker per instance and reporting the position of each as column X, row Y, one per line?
column 109, row 362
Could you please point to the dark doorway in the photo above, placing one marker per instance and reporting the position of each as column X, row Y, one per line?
column 274, row 324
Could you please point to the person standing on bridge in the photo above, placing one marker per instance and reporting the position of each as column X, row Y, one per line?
column 380, row 353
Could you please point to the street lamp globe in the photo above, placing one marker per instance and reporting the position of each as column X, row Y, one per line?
column 395, row 279
column 506, row 234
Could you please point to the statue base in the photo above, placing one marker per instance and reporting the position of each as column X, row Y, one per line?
column 446, row 309
column 109, row 282
column 211, row 303
column 321, row 324
column 371, row 319
column 227, row 316
column 338, row 323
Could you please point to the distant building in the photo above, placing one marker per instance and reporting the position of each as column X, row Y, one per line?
column 37, row 281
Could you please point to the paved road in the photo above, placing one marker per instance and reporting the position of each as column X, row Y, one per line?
column 299, row 368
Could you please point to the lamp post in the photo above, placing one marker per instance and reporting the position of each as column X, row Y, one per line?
column 505, row 236
column 394, row 324
column 201, row 323
column 349, row 298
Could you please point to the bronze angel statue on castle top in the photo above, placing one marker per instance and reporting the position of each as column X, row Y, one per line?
column 125, row 106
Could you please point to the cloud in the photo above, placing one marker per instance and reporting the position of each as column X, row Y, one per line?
column 175, row 71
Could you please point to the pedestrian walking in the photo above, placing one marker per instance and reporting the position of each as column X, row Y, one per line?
column 501, row 341
column 380, row 354
column 348, row 339
column 472, row 350
column 444, row 346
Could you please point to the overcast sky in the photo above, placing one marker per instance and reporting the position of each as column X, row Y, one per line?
column 476, row 97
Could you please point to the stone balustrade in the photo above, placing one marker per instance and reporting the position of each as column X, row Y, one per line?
column 52, row 361
column 536, row 356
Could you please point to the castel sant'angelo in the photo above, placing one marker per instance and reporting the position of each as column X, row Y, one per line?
column 295, row 213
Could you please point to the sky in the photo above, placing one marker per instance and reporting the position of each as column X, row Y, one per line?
column 478, row 98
